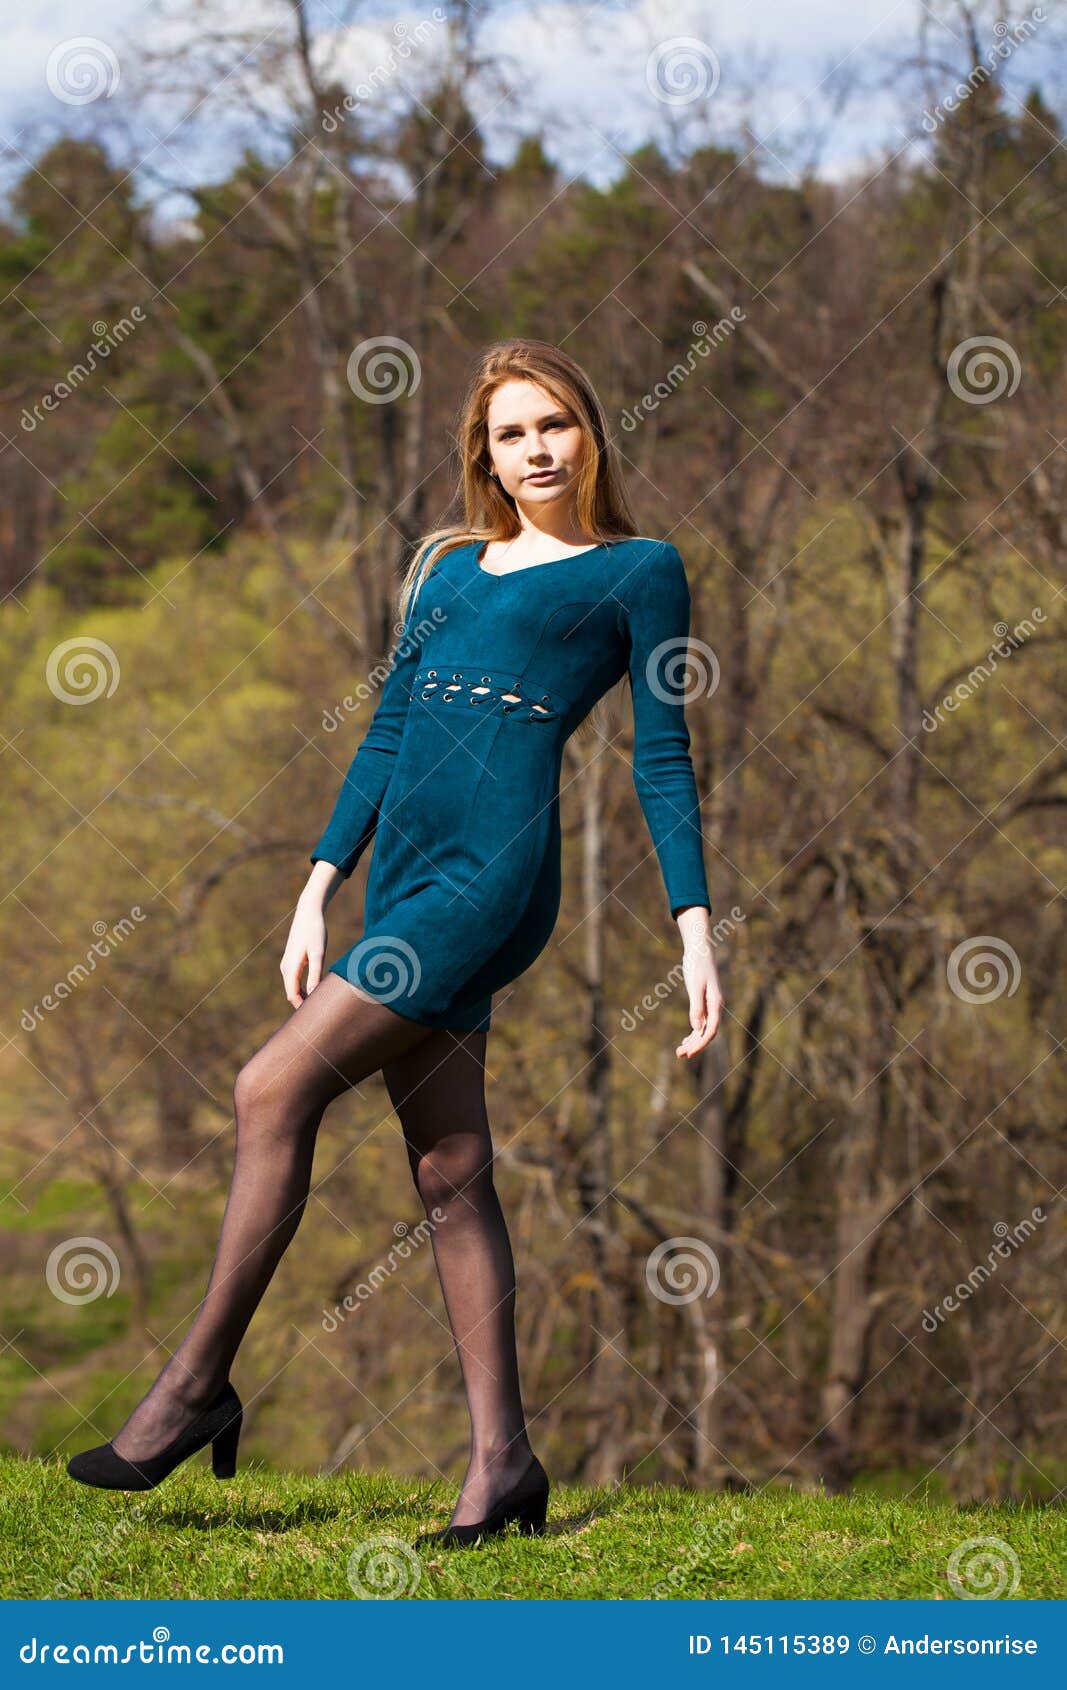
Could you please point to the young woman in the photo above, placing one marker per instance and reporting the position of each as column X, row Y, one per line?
column 515, row 623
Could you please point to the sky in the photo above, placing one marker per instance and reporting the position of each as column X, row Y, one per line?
column 809, row 84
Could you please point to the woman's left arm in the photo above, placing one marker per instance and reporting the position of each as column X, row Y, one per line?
column 701, row 979
column 656, row 616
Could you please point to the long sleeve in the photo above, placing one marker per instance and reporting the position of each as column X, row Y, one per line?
column 355, row 814
column 655, row 615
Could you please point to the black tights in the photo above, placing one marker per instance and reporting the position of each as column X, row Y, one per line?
column 436, row 1080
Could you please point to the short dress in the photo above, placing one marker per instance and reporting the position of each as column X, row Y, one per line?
column 457, row 777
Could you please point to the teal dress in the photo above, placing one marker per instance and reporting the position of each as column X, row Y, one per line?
column 457, row 777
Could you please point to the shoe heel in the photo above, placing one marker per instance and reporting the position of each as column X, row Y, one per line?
column 531, row 1516
column 224, row 1449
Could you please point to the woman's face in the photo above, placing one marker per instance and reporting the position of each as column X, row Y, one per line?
column 535, row 443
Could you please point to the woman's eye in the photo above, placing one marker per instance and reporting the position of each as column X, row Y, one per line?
column 514, row 433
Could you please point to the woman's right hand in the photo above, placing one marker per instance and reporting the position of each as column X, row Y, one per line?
column 306, row 944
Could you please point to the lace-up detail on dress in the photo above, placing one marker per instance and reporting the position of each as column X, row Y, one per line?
column 494, row 691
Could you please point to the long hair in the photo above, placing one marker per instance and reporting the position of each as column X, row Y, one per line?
column 601, row 507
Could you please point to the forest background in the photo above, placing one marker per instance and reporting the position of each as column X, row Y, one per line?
column 831, row 1250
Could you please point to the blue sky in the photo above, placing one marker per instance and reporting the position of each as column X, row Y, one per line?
column 577, row 69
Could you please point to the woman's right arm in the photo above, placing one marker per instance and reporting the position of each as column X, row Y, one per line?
column 355, row 813
column 353, row 820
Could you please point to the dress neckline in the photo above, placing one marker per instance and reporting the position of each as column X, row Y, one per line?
column 480, row 545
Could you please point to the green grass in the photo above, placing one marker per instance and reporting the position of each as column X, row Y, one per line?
column 272, row 1534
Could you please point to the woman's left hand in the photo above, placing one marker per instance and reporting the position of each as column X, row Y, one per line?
column 702, row 981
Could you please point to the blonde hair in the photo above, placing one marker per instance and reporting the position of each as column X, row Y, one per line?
column 601, row 507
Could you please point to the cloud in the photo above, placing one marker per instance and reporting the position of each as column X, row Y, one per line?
column 575, row 70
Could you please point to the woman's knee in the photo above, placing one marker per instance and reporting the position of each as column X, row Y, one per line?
column 265, row 1100
column 456, row 1170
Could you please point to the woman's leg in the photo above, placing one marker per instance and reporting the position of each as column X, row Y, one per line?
column 438, row 1092
column 336, row 1038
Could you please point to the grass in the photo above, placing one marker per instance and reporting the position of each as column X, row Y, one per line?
column 286, row 1535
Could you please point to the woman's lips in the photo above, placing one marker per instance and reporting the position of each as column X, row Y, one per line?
column 543, row 475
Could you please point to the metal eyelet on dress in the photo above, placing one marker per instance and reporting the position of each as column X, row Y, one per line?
column 457, row 676
column 431, row 674
column 486, row 679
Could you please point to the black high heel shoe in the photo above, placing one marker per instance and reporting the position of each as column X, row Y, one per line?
column 526, row 1502
column 219, row 1424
